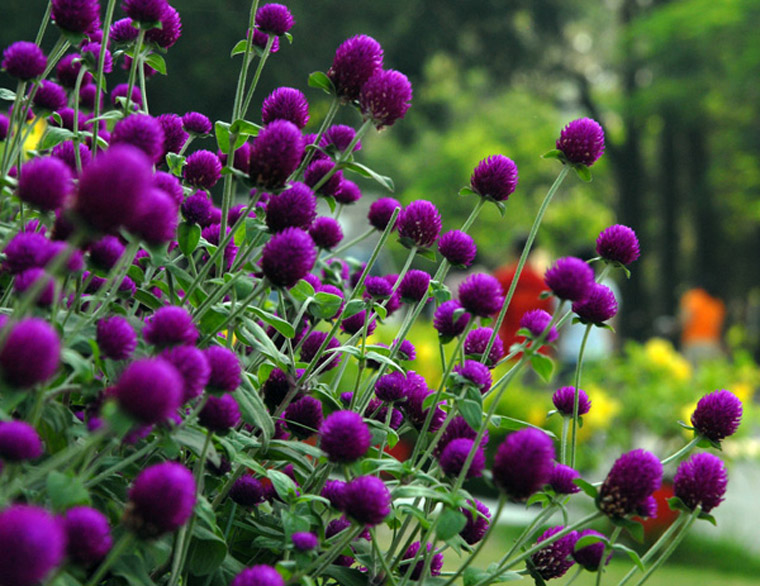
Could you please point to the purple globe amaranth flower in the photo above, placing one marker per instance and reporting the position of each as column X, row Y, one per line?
column 495, row 178
column 50, row 96
column 414, row 286
column 564, row 400
column 212, row 234
column 717, row 415
column 454, row 455
column 25, row 280
column 120, row 91
column 277, row 387
column 65, row 153
column 4, row 124
column 633, row 478
column 170, row 325
column 87, row 96
column 76, row 16
column 415, row 573
column 68, row 69
column 161, row 499
column 326, row 232
column 406, row 350
column 561, row 479
column 344, row 437
column 45, row 183
column 202, row 169
column 444, row 322
column 647, row 509
column 26, row 250
column 340, row 136
column 157, row 222
column 523, row 463
column 348, row 192
column 391, row 387
column 286, row 103
column 304, row 541
column 599, row 306
column 355, row 61
column 618, row 243
column 170, row 185
column 378, row 287
column 175, row 135
column 170, row 31
column 196, row 209
column 33, row 543
column 122, row 31
column 537, row 320
column 701, row 481
column 260, row 575
column 477, row 373
column 288, row 257
column 296, row 207
column 319, row 169
column 197, row 123
column 367, row 499
column 419, row 223
column 274, row 19
column 31, row 353
column 381, row 212
column 458, row 248
column 417, row 391
column 582, row 141
column 476, row 342
column 23, row 60
column 334, row 491
column 92, row 51
column 224, row 369
column 193, row 367
column 555, row 559
column 354, row 324
column 311, row 345
column 150, row 390
column 481, row 294
column 116, row 338
column 385, row 97
column 458, row 428
column 220, row 414
column 88, row 535
column 144, row 11
column 141, row 131
column 570, row 278
column 276, row 153
column 19, row 441
column 590, row 556
column 247, row 491
column 477, row 525
column 303, row 417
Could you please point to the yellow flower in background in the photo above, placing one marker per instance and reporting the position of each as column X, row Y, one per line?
column 537, row 415
column 604, row 408
column 743, row 391
column 35, row 136
column 661, row 353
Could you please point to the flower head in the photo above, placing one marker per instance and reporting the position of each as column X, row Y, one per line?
column 276, row 153
column 420, row 223
column 444, row 322
column 477, row 524
column 150, row 389
column 340, row 136
column 344, row 437
column 414, row 286
column 348, row 192
column 286, row 103
column 381, row 211
column 23, row 60
column 561, row 479
column 334, row 491
column 122, row 31
column 717, row 415
column 224, row 369
column 247, row 491
column 193, row 367
column 196, row 208
column 555, row 559
column 564, row 399
column 356, row 60
column 116, row 338
column 288, row 257
column 495, row 178
column 258, row 576
column 319, row 169
column 367, row 499
column 19, row 441
column 175, row 136
column 701, row 481
column 170, row 325
column 45, row 183
column 391, row 387
column 24, row 281
column 537, row 320
column 618, row 243
column 304, row 541
column 296, row 207
column 481, row 294
column 570, row 278
column 33, row 543
column 220, row 414
column 633, row 478
column 476, row 342
column 274, row 19
column 144, row 11
column 88, row 536
column 304, row 417
column 590, row 557
column 31, row 353
column 120, row 91
column 582, row 141
column 143, row 132
column 157, row 222
column 326, row 232
column 523, row 463
column 454, row 456
column 385, row 97
column 599, row 306
column 203, row 169
column 312, row 343
column 197, row 123
column 475, row 372
column 76, row 16
column 50, row 96
column 161, row 499
column 458, row 248
column 170, row 31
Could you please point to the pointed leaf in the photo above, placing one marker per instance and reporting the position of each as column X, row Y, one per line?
column 583, row 172
column 319, row 80
column 543, row 365
column 365, row 171
column 586, row 487
column 631, row 554
column 239, row 48
column 450, row 523
column 157, row 62
column 188, row 236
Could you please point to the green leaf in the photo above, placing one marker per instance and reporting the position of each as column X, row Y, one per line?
column 353, row 307
column 247, row 127
column 239, row 48
column 589, row 540
column 504, row 422
column 320, row 81
column 586, row 487
column 264, row 344
column 708, row 517
column 276, row 322
column 222, row 132
column 553, row 154
column 157, row 62
column 450, row 523
column 289, row 37
column 467, row 191
column 365, row 171
column 384, row 360
column 66, row 491
column 53, row 137
column 583, row 172
column 415, row 512
column 627, row 550
column 188, row 236
column 346, row 576
column 543, row 365
column 499, row 206
column 175, row 163
column 252, row 409
column 148, row 299
column 325, row 305
column 537, row 497
column 7, row 95
column 207, row 551
column 283, row 485
column 676, row 504
column 303, row 290
column 427, row 254
column 490, row 576
column 471, row 411
column 635, row 528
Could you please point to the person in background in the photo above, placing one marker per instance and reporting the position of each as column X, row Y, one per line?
column 701, row 316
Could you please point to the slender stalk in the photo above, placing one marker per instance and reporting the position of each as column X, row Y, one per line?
column 256, row 76
column 136, row 60
column 683, row 451
column 344, row 156
column 673, row 545
column 332, row 110
column 391, row 579
column 43, row 24
column 121, row 464
column 607, row 546
column 122, row 545
column 576, row 395
column 77, row 87
column 664, row 538
column 337, row 251
column 99, row 77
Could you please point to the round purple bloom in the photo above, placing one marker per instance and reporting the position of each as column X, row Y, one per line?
column 50, row 96
column 277, row 387
column 157, row 221
column 197, row 123
column 65, row 153
column 454, row 455
column 647, row 509
column 458, row 428
column 33, row 543
column 523, row 463
column 276, row 153
column 458, row 248
column 19, row 441
column 122, row 31
column 247, row 491
column 385, row 97
column 564, row 400
column 326, row 232
column 45, row 183
column 4, row 123
column 212, row 232
column 355, row 61
column 76, row 16
column 381, row 211
column 537, row 320
column 88, row 536
column 170, row 31
column 288, row 257
column 348, row 192
column 144, row 11
column 87, row 96
column 476, row 342
column 481, row 294
column 170, row 185
column 344, row 437
column 476, row 526
column 582, row 141
column 354, row 324
column 414, row 286
column 570, row 278
column 193, row 367
column 29, row 277
column 274, row 19
column 120, row 91
column 116, row 338
column 618, row 243
column 303, row 417
column 224, row 368
column 334, row 491
column 258, row 576
column 26, row 250
column 141, row 131
column 443, row 320
column 92, row 52
column 170, row 325
column 161, row 499
column 220, row 414
column 174, row 134
column 436, row 563
column 196, row 208
column 378, row 287
column 68, row 68
column 417, row 391
column 590, row 557
column 495, row 178
column 296, row 207
column 717, row 415
column 562, row 478
column 599, row 306
column 391, row 387
column 203, row 169
column 340, row 136
column 150, row 389
column 319, row 169
column 634, row 476
column 304, row 541
column 286, row 103
column 31, row 353
column 311, row 345
column 406, row 350
column 555, row 559
column 420, row 223
column 23, row 60
column 701, row 481
column 367, row 500
column 477, row 373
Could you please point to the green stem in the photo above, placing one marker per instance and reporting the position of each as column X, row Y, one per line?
column 333, row 109
column 99, row 78
column 607, row 546
column 77, row 87
column 257, row 75
column 391, row 579
column 43, row 24
column 122, row 545
column 344, row 156
column 576, row 395
column 683, row 451
column 664, row 538
column 563, row 440
column 337, row 252
column 121, row 464
column 136, row 59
